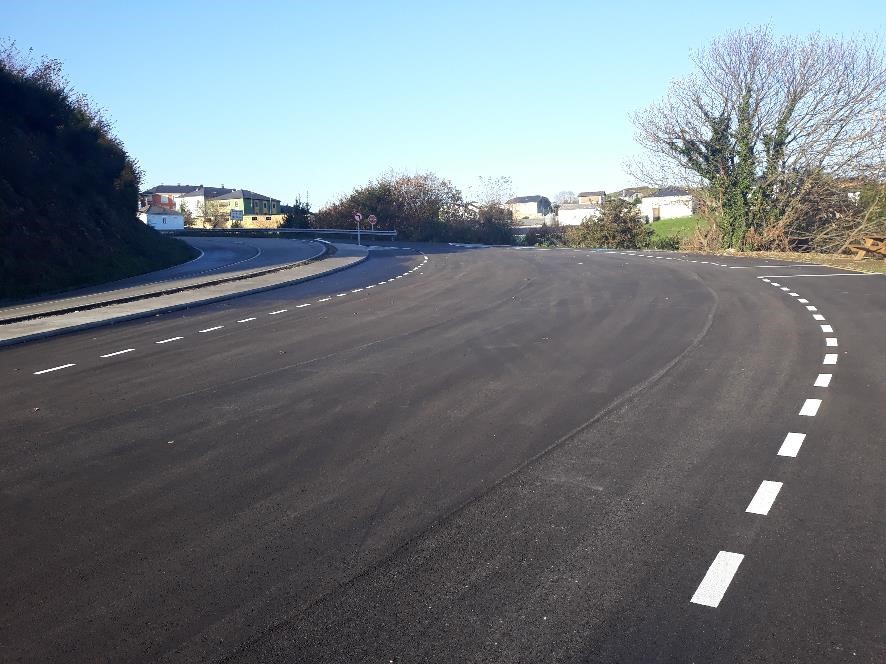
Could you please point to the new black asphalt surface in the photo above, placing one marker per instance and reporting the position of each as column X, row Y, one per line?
column 505, row 456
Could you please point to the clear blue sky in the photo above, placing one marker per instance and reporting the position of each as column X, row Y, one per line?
column 288, row 97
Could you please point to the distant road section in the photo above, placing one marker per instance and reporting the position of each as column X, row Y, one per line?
column 220, row 257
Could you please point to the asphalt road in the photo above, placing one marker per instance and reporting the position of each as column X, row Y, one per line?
column 503, row 455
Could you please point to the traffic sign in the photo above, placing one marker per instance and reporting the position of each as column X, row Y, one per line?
column 358, row 217
column 372, row 219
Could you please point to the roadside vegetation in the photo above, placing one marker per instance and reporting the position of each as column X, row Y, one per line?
column 422, row 207
column 68, row 189
column 781, row 139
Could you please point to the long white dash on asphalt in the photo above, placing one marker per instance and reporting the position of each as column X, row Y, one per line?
column 794, row 294
column 119, row 352
column 714, row 584
column 279, row 311
column 341, row 294
column 382, row 283
column 59, row 368
column 764, row 279
column 827, row 328
column 356, row 290
column 772, row 283
column 810, row 407
column 818, row 316
column 325, row 299
column 791, row 444
column 211, row 329
column 246, row 320
column 762, row 501
column 370, row 286
column 802, row 301
column 831, row 342
column 302, row 306
column 785, row 288
column 169, row 340
column 830, row 358
column 823, row 380
column 811, row 308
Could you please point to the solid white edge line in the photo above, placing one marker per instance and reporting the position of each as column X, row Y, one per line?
column 166, row 341
column 119, row 352
column 717, row 579
column 823, row 380
column 830, row 358
column 246, row 320
column 63, row 366
column 762, row 501
column 791, row 444
column 211, row 329
column 810, row 407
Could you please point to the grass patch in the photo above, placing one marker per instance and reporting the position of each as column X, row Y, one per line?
column 683, row 227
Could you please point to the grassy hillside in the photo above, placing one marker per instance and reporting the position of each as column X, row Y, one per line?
column 68, row 190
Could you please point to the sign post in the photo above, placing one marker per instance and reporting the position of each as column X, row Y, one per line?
column 358, row 218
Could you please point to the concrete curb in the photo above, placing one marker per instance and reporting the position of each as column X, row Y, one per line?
column 184, row 305
column 165, row 291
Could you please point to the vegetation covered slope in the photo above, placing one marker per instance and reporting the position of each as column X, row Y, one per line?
column 68, row 190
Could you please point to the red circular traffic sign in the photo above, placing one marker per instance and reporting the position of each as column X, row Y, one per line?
column 372, row 219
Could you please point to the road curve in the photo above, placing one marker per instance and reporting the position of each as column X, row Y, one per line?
column 492, row 455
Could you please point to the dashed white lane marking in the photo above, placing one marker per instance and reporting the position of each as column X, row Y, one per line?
column 302, row 306
column 211, row 329
column 794, row 294
column 59, row 368
column 325, row 299
column 169, row 340
column 791, row 444
column 714, row 584
column 818, row 316
column 370, row 286
column 381, row 283
column 811, row 308
column 762, row 501
column 119, row 352
column 810, row 407
column 831, row 342
column 823, row 380
column 774, row 284
column 827, row 328
column 784, row 288
column 341, row 294
column 802, row 301
column 356, row 290
column 767, row 280
column 246, row 320
column 830, row 358
column 279, row 311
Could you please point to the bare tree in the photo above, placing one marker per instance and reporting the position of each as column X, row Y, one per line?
column 762, row 122
column 566, row 196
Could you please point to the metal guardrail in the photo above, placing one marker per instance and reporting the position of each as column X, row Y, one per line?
column 282, row 232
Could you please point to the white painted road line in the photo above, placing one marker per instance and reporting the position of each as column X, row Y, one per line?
column 831, row 342
column 63, row 366
column 341, row 294
column 802, row 301
column 791, row 444
column 356, row 290
column 823, row 380
column 714, row 584
column 811, row 308
column 246, row 320
column 810, row 407
column 382, row 283
column 794, row 294
column 830, row 358
column 827, row 328
column 169, row 340
column 119, row 352
column 279, row 311
column 762, row 501
column 818, row 316
column 774, row 284
column 784, row 288
column 370, row 286
column 325, row 299
column 211, row 329
column 302, row 306
column 764, row 279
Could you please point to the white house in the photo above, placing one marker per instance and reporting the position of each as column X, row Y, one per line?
column 529, row 207
column 572, row 214
column 161, row 218
column 196, row 199
column 666, row 203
